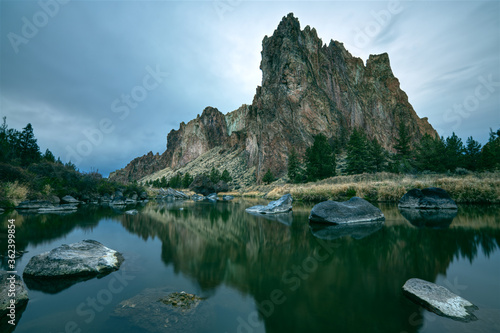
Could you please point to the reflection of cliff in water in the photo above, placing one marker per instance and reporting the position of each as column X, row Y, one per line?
column 325, row 282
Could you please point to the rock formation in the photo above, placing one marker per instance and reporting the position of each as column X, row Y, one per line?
column 308, row 88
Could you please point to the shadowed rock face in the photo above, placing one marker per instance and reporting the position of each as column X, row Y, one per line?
column 308, row 87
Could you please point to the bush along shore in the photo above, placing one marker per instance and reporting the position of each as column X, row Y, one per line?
column 480, row 188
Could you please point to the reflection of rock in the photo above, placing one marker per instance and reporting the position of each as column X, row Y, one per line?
column 53, row 285
column 432, row 218
column 282, row 205
column 212, row 197
column 285, row 218
column 162, row 310
column 11, row 283
column 355, row 210
column 132, row 212
column 357, row 231
column 87, row 257
column 440, row 300
column 428, row 198
column 64, row 208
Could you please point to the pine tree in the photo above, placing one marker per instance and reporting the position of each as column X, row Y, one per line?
column 48, row 156
column 377, row 156
column 268, row 177
column 472, row 156
column 4, row 142
column 214, row 175
column 320, row 159
column 187, row 180
column 294, row 170
column 454, row 150
column 430, row 154
column 357, row 153
column 29, row 150
column 403, row 142
column 176, row 181
column 490, row 155
column 226, row 176
column 163, row 182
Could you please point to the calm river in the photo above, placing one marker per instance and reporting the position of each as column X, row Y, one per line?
column 257, row 274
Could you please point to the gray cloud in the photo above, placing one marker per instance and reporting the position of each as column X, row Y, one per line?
column 65, row 79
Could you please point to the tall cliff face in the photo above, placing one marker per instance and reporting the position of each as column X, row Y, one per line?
column 307, row 88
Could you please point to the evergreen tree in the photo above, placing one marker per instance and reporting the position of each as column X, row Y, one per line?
column 294, row 170
column 403, row 142
column 226, row 176
column 4, row 142
column 29, row 150
column 472, row 156
column 490, row 155
column 187, row 180
column 214, row 175
column 176, row 181
column 454, row 150
column 357, row 153
column 48, row 156
column 163, row 182
column 430, row 154
column 377, row 156
column 268, row 177
column 320, row 159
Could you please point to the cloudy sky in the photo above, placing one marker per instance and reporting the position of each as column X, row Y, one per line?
column 103, row 82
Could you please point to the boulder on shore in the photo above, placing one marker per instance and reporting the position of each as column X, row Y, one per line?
column 34, row 204
column 87, row 257
column 212, row 197
column 439, row 300
column 174, row 194
column 197, row 197
column 68, row 199
column 7, row 280
column 428, row 198
column 227, row 197
column 355, row 210
column 282, row 205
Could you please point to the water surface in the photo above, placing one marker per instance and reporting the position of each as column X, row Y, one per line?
column 261, row 274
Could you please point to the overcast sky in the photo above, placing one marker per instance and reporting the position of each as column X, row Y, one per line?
column 103, row 82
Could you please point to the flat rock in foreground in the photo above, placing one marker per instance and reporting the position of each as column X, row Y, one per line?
column 87, row 257
column 439, row 300
column 355, row 210
column 282, row 205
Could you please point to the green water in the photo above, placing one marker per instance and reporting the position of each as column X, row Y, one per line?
column 263, row 275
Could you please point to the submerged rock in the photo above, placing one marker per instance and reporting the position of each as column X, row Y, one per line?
column 12, row 282
column 87, row 257
column 355, row 210
column 282, row 205
column 162, row 310
column 439, row 300
column 429, row 218
column 428, row 198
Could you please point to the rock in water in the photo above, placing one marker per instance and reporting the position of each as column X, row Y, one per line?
column 282, row 205
column 355, row 210
column 132, row 212
column 428, row 198
column 6, row 281
column 68, row 199
column 440, row 300
column 212, row 197
column 162, row 310
column 227, row 197
column 87, row 257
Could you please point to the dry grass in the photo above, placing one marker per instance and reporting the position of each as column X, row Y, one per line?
column 386, row 187
column 13, row 193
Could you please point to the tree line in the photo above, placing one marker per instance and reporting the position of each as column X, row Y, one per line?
column 363, row 155
column 184, row 181
column 42, row 175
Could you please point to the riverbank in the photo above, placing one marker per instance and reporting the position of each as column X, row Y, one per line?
column 482, row 188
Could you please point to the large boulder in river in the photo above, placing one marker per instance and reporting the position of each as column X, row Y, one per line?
column 282, row 205
column 440, row 300
column 355, row 210
column 8, row 283
column 87, row 257
column 68, row 199
column 428, row 198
